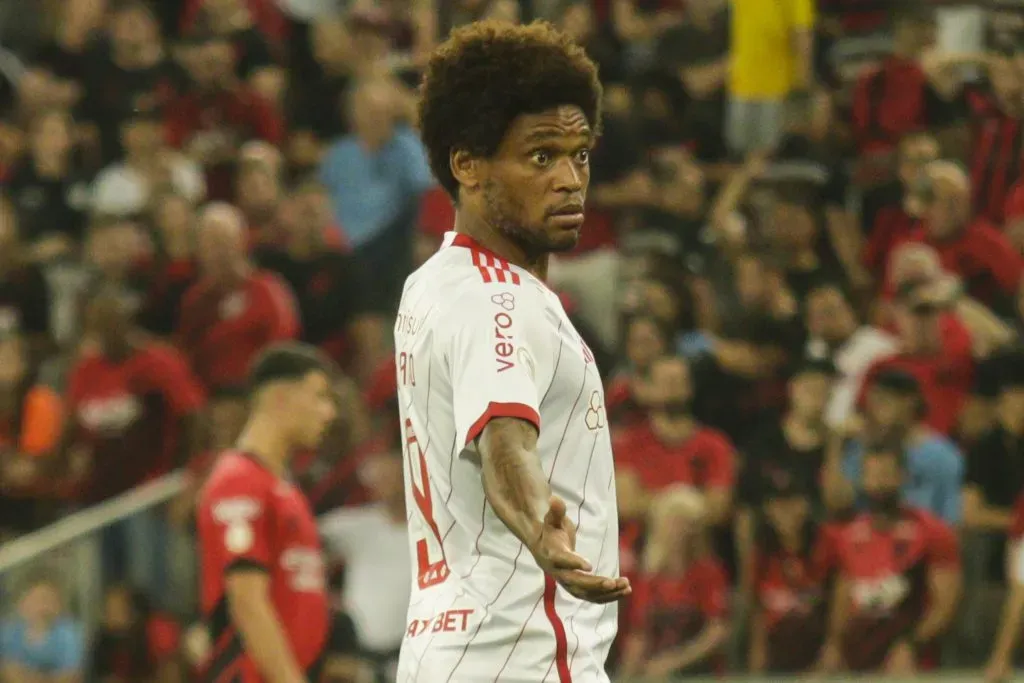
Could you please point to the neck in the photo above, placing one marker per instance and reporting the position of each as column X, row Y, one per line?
column 791, row 542
column 673, row 429
column 263, row 439
column 495, row 240
column 136, row 58
column 302, row 248
column 235, row 276
column 119, row 347
column 396, row 509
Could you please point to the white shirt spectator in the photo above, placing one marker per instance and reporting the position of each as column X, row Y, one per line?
column 120, row 190
column 852, row 359
column 378, row 571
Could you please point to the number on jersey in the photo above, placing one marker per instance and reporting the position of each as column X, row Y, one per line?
column 427, row 573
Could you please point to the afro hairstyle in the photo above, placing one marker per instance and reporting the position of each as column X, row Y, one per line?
column 486, row 75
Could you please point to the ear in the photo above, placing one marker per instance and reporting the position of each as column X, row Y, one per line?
column 465, row 169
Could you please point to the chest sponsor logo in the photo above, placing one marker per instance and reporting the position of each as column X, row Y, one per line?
column 236, row 515
column 233, row 306
column 110, row 416
column 449, row 621
column 880, row 595
column 595, row 417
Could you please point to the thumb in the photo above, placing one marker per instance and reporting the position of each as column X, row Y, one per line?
column 556, row 512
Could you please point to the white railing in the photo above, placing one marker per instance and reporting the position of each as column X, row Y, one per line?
column 72, row 547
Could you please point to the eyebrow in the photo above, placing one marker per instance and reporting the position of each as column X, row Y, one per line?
column 547, row 135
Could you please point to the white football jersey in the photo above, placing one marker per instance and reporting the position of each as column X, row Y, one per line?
column 477, row 338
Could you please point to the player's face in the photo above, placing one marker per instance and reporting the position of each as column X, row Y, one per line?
column 313, row 407
column 535, row 186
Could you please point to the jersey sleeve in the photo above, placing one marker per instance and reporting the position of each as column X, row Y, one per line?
column 498, row 354
column 239, row 514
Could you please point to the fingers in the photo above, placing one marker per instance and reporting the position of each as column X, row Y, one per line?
column 566, row 560
column 596, row 589
column 556, row 512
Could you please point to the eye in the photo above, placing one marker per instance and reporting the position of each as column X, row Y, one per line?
column 541, row 157
column 583, row 157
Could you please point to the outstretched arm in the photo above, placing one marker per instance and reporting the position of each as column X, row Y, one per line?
column 518, row 491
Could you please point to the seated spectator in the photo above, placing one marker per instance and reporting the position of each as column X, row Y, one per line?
column 337, row 306
column 132, row 70
column 835, row 334
column 894, row 407
column 373, row 543
column 646, row 340
column 31, row 421
column 790, row 582
column 671, row 447
column 234, row 310
column 40, row 642
column 972, row 249
column 995, row 478
column 898, row 583
column 24, row 294
column 218, row 114
column 680, row 605
column 135, row 643
column 148, row 167
column 49, row 188
column 173, row 268
column 790, row 448
column 935, row 347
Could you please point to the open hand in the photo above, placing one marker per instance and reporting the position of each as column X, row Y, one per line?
column 555, row 552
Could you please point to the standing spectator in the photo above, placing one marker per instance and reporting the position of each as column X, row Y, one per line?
column 135, row 642
column 135, row 72
column 680, row 610
column 212, row 120
column 173, row 268
column 134, row 415
column 894, row 407
column 995, row 464
column 338, row 310
column 31, row 421
column 48, row 188
column 771, row 49
column 41, row 643
column 65, row 60
column 255, row 61
column 898, row 582
column 835, row 334
column 375, row 177
column 790, row 582
column 148, row 167
column 24, row 293
column 259, row 193
column 646, row 340
column 234, row 310
column 373, row 543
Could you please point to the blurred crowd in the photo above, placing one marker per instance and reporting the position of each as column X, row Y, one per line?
column 802, row 272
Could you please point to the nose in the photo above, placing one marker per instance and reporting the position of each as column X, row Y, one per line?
column 568, row 178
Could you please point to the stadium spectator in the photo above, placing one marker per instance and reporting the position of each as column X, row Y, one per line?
column 135, row 642
column 259, row 193
column 148, row 168
column 894, row 407
column 24, row 293
column 373, row 544
column 173, row 268
column 646, row 340
column 899, row 581
column 255, row 54
column 790, row 581
column 234, row 310
column 41, row 642
column 680, row 609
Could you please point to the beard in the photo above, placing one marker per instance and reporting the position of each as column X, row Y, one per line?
column 507, row 215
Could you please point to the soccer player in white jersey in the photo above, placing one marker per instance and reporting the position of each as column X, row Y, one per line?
column 509, row 472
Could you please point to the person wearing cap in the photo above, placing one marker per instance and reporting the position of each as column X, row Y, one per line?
column 789, row 581
column 125, row 188
column 894, row 409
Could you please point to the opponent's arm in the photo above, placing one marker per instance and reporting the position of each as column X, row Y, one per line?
column 248, row 595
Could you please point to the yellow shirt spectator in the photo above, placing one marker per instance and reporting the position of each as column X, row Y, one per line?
column 763, row 54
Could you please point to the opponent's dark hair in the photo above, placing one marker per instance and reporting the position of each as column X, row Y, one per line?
column 490, row 72
column 290, row 361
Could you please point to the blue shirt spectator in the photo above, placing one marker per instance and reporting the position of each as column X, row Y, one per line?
column 38, row 644
column 372, row 185
column 934, row 475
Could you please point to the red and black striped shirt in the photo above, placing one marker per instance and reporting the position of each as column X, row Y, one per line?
column 996, row 156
